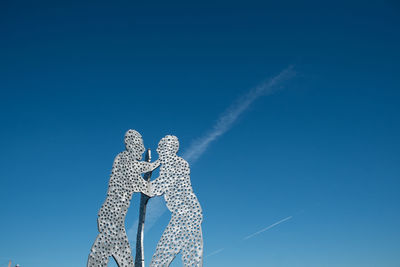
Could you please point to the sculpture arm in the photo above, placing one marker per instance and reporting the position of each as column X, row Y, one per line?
column 147, row 166
column 144, row 186
column 157, row 186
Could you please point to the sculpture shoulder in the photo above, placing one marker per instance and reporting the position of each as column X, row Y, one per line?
column 183, row 161
column 120, row 156
column 176, row 162
column 125, row 157
column 183, row 164
column 124, row 161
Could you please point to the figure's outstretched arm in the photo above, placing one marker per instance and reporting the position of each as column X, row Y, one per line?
column 157, row 186
column 143, row 186
column 148, row 166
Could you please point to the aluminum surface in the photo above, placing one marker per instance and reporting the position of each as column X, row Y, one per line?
column 183, row 233
column 124, row 181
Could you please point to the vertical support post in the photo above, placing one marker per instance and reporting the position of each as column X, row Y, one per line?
column 139, row 258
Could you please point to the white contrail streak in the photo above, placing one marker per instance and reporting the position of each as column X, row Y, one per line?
column 254, row 234
column 227, row 118
column 215, row 252
column 223, row 124
column 267, row 228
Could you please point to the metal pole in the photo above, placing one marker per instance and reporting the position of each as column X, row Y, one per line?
column 139, row 258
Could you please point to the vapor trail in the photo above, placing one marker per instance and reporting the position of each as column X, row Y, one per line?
column 227, row 118
column 215, row 252
column 224, row 122
column 252, row 235
column 267, row 228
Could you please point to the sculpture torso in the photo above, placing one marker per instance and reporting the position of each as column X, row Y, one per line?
column 124, row 181
column 178, row 192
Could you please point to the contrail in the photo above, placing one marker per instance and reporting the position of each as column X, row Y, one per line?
column 227, row 118
column 252, row 235
column 267, row 228
column 224, row 123
column 215, row 252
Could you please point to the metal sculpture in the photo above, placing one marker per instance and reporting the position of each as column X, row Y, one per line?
column 124, row 181
column 183, row 233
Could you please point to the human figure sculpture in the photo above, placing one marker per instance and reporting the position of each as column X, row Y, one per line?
column 183, row 233
column 124, row 181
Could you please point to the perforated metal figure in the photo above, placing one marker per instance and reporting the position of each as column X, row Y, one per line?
column 124, row 181
column 183, row 233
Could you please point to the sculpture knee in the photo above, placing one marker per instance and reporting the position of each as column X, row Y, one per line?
column 192, row 253
column 98, row 259
column 162, row 259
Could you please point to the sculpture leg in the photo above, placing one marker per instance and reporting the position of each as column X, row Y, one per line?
column 99, row 253
column 123, row 253
column 192, row 253
column 167, row 248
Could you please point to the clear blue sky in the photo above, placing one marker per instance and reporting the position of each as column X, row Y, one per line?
column 75, row 75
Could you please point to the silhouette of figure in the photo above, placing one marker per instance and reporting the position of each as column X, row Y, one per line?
column 124, row 181
column 183, row 233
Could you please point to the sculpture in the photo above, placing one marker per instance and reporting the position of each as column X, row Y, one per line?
column 183, row 233
column 124, row 181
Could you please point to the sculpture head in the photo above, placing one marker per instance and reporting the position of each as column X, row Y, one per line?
column 168, row 146
column 134, row 143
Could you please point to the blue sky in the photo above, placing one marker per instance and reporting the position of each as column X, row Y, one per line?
column 322, row 150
